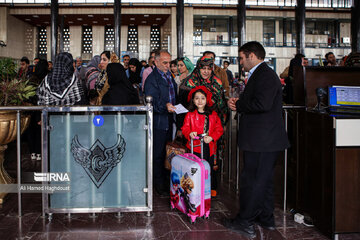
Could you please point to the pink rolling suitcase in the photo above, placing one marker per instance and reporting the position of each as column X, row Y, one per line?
column 190, row 185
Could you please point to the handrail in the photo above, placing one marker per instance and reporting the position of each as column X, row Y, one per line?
column 271, row 44
column 79, row 108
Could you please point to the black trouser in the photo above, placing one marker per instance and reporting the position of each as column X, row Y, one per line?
column 159, row 153
column 256, row 188
column 210, row 160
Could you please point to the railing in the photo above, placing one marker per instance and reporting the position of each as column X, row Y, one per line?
column 272, row 44
column 237, row 177
column 271, row 3
column 61, row 124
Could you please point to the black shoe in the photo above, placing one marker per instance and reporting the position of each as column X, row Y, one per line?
column 268, row 226
column 236, row 226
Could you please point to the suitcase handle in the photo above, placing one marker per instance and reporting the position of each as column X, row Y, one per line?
column 201, row 137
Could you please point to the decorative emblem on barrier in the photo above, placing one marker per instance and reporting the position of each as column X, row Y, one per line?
column 98, row 161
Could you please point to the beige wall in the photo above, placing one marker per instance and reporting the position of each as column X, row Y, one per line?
column 3, row 24
column 144, row 42
column 75, row 40
column 98, row 40
column 188, row 32
column 15, row 38
column 254, row 30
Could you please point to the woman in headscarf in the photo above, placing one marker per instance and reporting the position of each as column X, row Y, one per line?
column 61, row 86
column 134, row 72
column 121, row 91
column 90, row 73
column 203, row 75
column 185, row 68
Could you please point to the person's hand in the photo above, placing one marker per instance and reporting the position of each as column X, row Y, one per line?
column 232, row 103
column 193, row 135
column 170, row 107
column 208, row 139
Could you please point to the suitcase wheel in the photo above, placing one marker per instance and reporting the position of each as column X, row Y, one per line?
column 192, row 219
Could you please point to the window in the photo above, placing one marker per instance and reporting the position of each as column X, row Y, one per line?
column 66, row 39
column 132, row 45
column 269, row 33
column 87, row 40
column 42, row 42
column 155, row 38
column 109, row 39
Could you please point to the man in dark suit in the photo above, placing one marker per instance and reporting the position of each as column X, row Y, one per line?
column 262, row 137
column 162, row 87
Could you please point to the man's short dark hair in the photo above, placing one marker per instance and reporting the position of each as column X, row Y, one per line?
column 36, row 58
column 253, row 47
column 209, row 52
column 226, row 61
column 328, row 54
column 126, row 56
column 25, row 59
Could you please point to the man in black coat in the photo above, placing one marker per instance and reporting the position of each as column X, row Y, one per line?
column 262, row 137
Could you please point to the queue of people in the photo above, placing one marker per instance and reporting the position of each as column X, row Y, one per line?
column 204, row 89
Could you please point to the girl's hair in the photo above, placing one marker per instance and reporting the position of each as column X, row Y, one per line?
column 192, row 107
column 107, row 54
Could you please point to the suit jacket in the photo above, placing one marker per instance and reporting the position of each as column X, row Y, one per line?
column 261, row 127
column 158, row 88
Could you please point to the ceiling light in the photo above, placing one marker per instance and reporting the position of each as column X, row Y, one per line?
column 90, row 15
column 146, row 15
column 27, row 19
column 143, row 21
column 71, row 22
column 106, row 19
column 79, row 19
column 132, row 19
column 95, row 22
column 35, row 16
column 158, row 19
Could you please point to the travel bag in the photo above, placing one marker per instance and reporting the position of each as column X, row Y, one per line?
column 190, row 185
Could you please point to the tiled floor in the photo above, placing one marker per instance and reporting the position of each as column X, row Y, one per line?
column 163, row 224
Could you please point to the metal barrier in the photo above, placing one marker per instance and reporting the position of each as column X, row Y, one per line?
column 285, row 109
column 50, row 119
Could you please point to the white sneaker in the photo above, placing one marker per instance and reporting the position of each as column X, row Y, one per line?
column 38, row 157
column 33, row 156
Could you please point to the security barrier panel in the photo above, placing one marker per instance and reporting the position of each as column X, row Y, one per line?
column 103, row 159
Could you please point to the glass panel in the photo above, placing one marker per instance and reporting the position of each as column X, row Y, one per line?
column 100, row 181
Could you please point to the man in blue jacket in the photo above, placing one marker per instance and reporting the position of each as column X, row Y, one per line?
column 162, row 87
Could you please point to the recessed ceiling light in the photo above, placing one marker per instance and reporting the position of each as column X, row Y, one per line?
column 131, row 24
column 132, row 19
column 90, row 15
column 143, row 21
column 158, row 19
column 95, row 22
column 27, row 19
column 154, row 24
column 85, row 24
column 106, row 19
column 46, row 22
column 146, row 15
column 71, row 22
column 35, row 16
column 108, row 24
column 79, row 19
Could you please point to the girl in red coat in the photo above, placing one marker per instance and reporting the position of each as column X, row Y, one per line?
column 201, row 120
